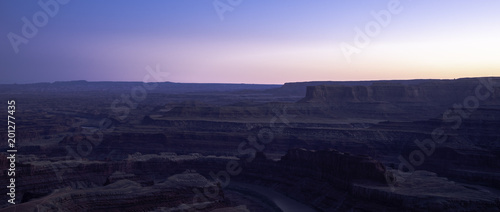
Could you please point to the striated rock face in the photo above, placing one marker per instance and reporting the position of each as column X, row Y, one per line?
column 322, row 179
column 397, row 101
column 328, row 180
column 334, row 181
column 127, row 195
column 440, row 92
column 334, row 164
column 299, row 88
column 36, row 179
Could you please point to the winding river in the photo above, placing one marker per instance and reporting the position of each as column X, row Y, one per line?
column 286, row 204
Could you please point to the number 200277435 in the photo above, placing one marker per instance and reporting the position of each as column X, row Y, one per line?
column 11, row 125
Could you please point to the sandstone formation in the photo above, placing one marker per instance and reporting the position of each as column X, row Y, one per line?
column 331, row 146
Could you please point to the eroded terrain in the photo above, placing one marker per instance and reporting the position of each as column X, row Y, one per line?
column 415, row 145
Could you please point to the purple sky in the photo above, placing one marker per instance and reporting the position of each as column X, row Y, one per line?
column 258, row 41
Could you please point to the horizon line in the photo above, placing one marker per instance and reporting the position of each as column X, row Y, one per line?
column 242, row 83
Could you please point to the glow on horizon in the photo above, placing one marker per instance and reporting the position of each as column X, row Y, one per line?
column 259, row 42
column 267, row 63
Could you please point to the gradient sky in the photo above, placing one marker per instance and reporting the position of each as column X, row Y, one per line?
column 260, row 41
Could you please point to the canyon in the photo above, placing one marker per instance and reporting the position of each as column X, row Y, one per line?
column 326, row 146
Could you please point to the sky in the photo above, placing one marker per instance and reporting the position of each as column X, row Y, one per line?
column 248, row 41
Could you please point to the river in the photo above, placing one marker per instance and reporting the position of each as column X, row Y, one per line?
column 286, row 204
